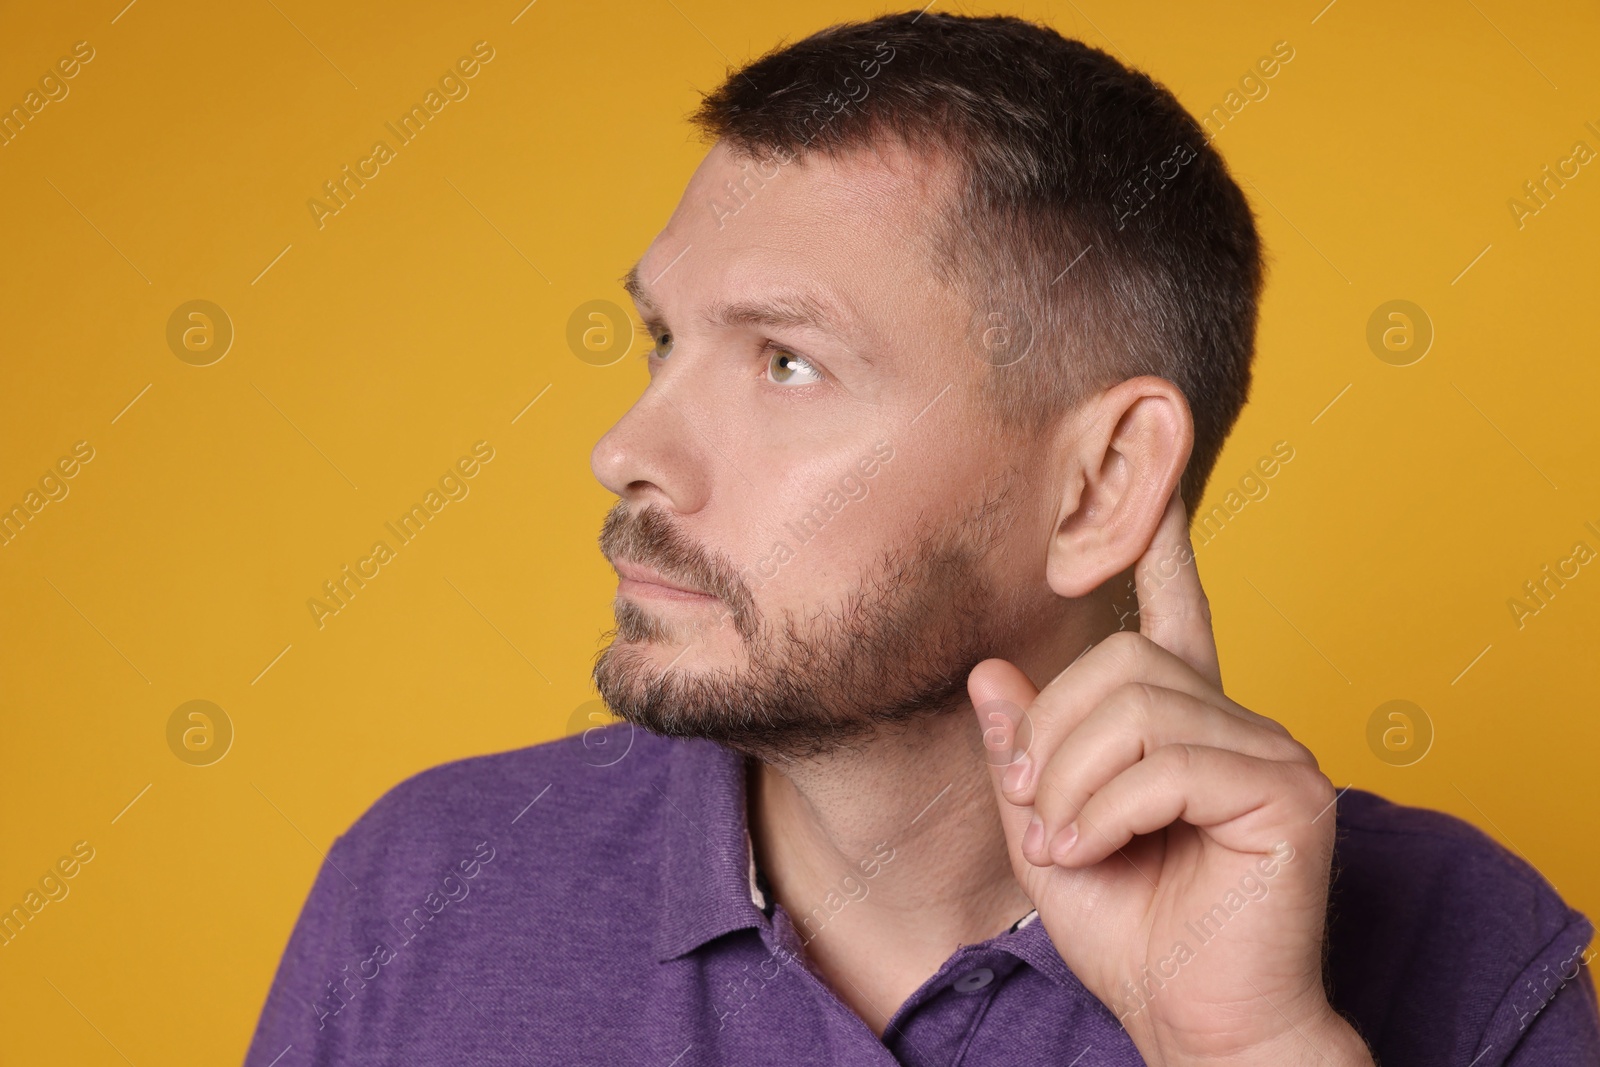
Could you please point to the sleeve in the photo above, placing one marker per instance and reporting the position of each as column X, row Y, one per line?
column 1567, row 1032
column 1550, row 1016
column 294, row 1029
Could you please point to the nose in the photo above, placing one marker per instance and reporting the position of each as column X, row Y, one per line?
column 653, row 454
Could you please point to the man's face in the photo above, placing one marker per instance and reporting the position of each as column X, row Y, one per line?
column 864, row 533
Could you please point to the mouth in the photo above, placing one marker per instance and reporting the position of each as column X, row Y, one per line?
column 640, row 581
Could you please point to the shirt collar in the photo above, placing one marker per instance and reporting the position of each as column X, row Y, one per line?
column 708, row 872
column 1029, row 942
column 708, row 869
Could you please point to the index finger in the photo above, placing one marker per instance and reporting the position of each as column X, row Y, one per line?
column 1173, row 609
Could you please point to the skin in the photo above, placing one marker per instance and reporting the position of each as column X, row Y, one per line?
column 972, row 588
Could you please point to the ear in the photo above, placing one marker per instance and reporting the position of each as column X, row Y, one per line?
column 1121, row 460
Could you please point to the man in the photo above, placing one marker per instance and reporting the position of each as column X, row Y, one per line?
column 925, row 754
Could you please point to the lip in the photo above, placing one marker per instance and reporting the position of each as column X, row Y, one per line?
column 636, row 580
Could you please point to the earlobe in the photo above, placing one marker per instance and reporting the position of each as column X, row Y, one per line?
column 1124, row 458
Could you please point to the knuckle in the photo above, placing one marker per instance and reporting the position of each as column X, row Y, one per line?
column 1299, row 753
column 1266, row 721
column 1276, row 727
column 1133, row 706
column 1123, row 640
column 1320, row 791
column 1174, row 760
column 1126, row 647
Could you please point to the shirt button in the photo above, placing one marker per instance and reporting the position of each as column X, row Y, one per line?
column 974, row 980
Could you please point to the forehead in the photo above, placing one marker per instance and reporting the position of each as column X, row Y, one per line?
column 847, row 232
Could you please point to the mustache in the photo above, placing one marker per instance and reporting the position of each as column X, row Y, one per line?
column 648, row 537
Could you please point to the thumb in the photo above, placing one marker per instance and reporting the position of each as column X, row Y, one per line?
column 1001, row 696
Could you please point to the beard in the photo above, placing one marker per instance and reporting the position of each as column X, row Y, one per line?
column 897, row 650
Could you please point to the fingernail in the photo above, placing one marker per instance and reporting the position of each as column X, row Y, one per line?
column 1033, row 837
column 1063, row 843
column 1016, row 777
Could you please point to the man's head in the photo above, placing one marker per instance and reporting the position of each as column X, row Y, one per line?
column 946, row 315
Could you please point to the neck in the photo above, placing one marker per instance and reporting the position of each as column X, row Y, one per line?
column 887, row 858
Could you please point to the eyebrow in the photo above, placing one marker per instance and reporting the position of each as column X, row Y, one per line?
column 792, row 309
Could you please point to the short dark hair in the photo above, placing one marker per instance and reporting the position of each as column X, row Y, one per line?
column 1091, row 206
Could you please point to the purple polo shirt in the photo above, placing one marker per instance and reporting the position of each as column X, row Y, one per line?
column 593, row 900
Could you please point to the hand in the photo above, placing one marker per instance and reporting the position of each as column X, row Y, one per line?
column 1175, row 844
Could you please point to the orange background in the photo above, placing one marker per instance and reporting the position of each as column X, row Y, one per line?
column 431, row 311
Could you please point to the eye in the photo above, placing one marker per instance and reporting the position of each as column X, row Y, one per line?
column 660, row 340
column 783, row 366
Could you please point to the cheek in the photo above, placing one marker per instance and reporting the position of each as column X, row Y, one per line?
column 814, row 523
column 807, row 546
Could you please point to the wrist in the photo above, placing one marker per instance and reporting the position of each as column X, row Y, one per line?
column 1326, row 1041
column 1331, row 1041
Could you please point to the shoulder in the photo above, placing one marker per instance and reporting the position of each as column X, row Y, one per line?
column 545, row 788
column 459, row 862
column 1439, row 936
column 570, row 802
column 1417, row 865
